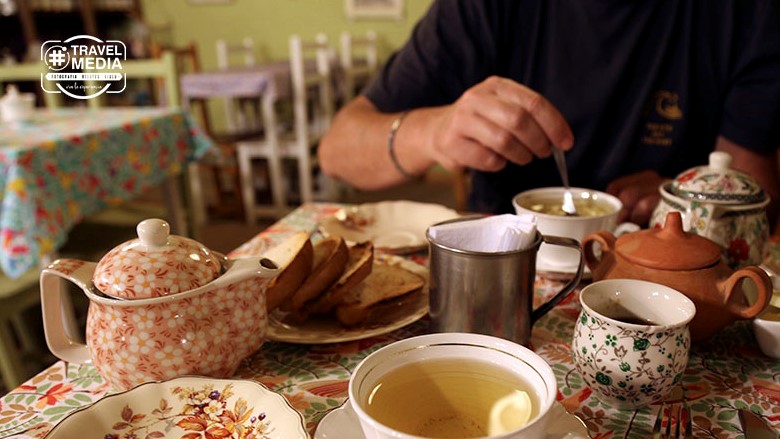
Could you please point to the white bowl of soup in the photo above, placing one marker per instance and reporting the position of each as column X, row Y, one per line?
column 595, row 211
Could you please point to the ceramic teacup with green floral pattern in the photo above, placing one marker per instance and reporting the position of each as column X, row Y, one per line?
column 631, row 340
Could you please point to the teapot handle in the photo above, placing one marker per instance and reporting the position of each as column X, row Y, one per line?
column 59, row 338
column 607, row 241
column 763, row 291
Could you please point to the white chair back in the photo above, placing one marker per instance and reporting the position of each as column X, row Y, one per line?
column 312, row 101
column 240, row 116
column 358, row 62
column 310, row 71
column 227, row 51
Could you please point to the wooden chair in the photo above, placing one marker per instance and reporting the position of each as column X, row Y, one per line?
column 358, row 62
column 188, row 61
column 164, row 74
column 310, row 72
column 161, row 70
column 16, row 296
column 242, row 117
column 20, row 294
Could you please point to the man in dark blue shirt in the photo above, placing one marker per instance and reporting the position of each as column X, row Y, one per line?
column 634, row 91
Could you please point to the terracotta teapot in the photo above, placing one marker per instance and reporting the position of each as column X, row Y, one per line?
column 686, row 262
column 722, row 204
column 160, row 306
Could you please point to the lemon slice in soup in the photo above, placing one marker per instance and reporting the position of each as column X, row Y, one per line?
column 510, row 413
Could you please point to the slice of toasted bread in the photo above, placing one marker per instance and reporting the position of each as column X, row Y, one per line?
column 330, row 260
column 294, row 257
column 385, row 282
column 359, row 265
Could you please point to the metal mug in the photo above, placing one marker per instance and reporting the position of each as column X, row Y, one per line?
column 490, row 292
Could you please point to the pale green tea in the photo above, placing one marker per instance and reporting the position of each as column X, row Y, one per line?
column 554, row 206
column 443, row 398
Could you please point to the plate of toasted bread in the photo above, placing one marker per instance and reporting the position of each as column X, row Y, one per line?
column 330, row 290
column 397, row 227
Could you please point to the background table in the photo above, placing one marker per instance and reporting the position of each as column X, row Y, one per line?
column 69, row 163
column 726, row 373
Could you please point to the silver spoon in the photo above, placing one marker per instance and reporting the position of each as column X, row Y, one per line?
column 568, row 200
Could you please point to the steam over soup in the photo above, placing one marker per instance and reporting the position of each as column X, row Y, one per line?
column 553, row 205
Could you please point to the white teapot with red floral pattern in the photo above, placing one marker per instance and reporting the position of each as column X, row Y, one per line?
column 722, row 204
column 160, row 306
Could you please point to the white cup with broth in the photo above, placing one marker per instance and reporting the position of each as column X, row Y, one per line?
column 453, row 385
column 596, row 211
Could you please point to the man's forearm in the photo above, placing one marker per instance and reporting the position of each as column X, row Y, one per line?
column 355, row 149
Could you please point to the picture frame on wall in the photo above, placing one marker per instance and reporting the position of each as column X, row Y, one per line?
column 374, row 9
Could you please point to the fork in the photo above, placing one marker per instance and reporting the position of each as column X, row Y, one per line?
column 676, row 418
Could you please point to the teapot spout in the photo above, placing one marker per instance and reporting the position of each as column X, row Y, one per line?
column 245, row 268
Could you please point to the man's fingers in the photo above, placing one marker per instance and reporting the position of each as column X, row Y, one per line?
column 514, row 127
column 479, row 142
column 500, row 120
column 551, row 121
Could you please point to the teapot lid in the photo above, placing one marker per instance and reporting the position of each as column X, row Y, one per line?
column 668, row 248
column 718, row 183
column 156, row 264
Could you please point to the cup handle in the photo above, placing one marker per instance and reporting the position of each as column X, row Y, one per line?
column 569, row 287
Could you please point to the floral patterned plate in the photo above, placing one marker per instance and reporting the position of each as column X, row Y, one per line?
column 187, row 407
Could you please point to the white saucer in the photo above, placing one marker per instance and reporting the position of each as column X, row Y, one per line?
column 342, row 423
column 397, row 226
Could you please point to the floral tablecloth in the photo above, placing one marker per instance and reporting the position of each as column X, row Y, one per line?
column 726, row 373
column 65, row 164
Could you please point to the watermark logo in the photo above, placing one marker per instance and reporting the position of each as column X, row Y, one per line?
column 83, row 67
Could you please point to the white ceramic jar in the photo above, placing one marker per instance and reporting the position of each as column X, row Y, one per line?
column 722, row 204
column 15, row 106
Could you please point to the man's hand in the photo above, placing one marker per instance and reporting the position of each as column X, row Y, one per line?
column 639, row 195
column 496, row 121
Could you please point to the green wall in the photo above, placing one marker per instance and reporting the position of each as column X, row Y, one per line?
column 271, row 22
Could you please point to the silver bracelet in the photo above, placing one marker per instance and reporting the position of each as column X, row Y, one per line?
column 391, row 147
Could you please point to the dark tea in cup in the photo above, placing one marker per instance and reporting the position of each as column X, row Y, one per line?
column 631, row 340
